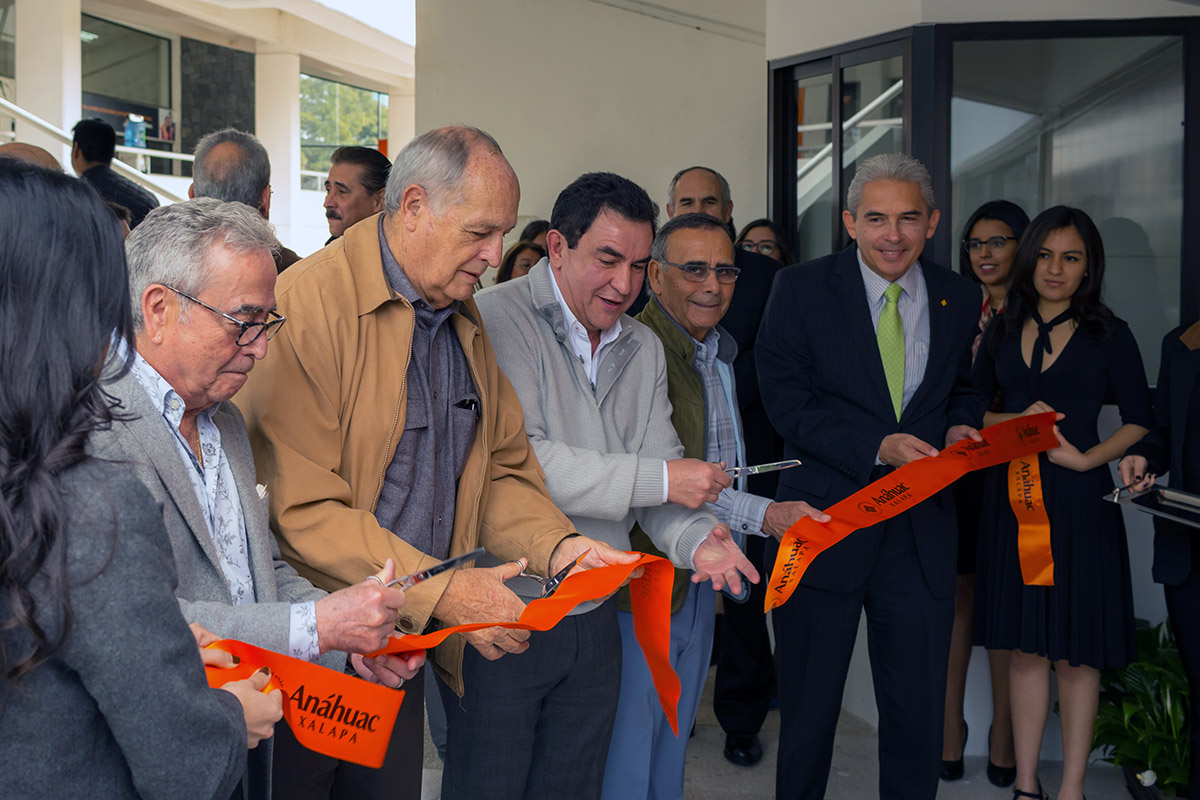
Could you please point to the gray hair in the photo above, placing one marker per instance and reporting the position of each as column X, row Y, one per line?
column 237, row 179
column 435, row 161
column 726, row 197
column 171, row 245
column 684, row 222
column 896, row 167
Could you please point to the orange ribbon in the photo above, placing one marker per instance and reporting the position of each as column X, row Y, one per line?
column 899, row 491
column 651, row 596
column 329, row 712
column 1033, row 526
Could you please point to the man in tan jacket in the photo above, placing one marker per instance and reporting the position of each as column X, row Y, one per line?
column 383, row 428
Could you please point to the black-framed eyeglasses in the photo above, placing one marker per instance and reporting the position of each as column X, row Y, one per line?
column 993, row 243
column 698, row 273
column 766, row 247
column 248, row 331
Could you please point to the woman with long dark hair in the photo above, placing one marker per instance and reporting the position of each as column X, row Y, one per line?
column 102, row 693
column 989, row 247
column 764, row 237
column 519, row 259
column 1058, row 348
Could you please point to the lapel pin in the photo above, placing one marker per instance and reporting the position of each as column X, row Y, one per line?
column 261, row 490
column 943, row 302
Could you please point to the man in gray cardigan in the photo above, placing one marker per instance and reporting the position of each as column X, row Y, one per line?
column 202, row 281
column 593, row 387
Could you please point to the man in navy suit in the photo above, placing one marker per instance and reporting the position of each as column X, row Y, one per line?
column 1173, row 445
column 863, row 360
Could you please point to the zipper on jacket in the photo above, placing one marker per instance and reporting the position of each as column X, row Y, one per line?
column 483, row 446
column 387, row 448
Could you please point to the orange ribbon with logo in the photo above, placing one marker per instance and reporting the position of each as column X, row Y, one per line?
column 1033, row 526
column 902, row 489
column 651, row 596
column 330, row 712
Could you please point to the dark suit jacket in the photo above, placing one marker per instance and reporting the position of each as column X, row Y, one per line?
column 824, row 389
column 1164, row 446
column 741, row 321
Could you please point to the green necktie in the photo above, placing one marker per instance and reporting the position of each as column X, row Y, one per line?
column 890, row 335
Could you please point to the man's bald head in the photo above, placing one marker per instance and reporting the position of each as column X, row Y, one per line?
column 30, row 154
column 233, row 166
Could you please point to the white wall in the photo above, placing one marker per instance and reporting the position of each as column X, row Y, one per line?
column 571, row 86
column 795, row 28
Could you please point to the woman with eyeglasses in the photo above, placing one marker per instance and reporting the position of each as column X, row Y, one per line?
column 989, row 245
column 1058, row 348
column 519, row 259
column 102, row 691
column 765, row 237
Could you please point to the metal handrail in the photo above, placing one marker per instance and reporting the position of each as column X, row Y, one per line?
column 826, row 151
column 118, row 165
column 146, row 151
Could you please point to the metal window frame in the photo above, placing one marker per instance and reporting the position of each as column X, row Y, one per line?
column 928, row 51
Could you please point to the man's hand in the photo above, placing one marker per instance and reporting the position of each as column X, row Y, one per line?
column 390, row 671
column 781, row 516
column 359, row 618
column 718, row 559
column 959, row 432
column 598, row 554
column 1134, row 473
column 900, row 448
column 479, row 595
column 261, row 711
column 692, row 482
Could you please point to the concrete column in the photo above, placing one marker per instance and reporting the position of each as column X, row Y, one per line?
column 49, row 70
column 402, row 118
column 277, row 125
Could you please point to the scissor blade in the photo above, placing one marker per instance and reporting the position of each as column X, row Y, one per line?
column 774, row 466
column 560, row 576
column 406, row 581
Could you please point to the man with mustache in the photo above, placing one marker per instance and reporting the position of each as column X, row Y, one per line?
column 354, row 187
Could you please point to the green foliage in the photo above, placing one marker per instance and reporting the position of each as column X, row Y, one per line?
column 333, row 114
column 1143, row 720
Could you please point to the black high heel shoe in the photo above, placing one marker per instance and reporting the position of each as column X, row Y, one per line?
column 953, row 770
column 999, row 776
column 1041, row 795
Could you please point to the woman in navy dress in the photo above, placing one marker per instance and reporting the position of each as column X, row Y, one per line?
column 989, row 248
column 1058, row 348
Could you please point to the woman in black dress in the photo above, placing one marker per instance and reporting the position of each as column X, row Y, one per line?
column 989, row 247
column 1058, row 348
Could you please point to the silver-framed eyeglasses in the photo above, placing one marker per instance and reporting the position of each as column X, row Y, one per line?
column 248, row 332
column 993, row 243
column 765, row 247
column 698, row 273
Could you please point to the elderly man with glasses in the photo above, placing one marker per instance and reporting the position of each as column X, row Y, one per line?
column 202, row 281
column 691, row 277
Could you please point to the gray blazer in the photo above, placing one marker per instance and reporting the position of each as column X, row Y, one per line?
column 142, row 440
column 122, row 709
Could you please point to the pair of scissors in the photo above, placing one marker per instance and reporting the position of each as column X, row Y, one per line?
column 408, row 581
column 739, row 472
column 550, row 585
